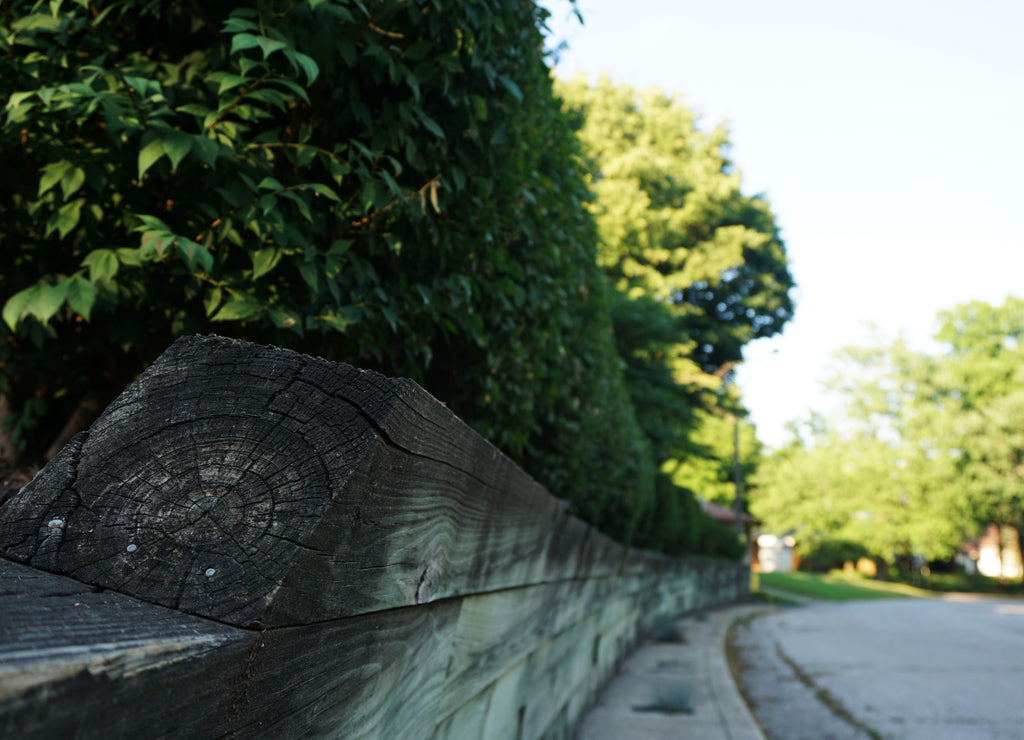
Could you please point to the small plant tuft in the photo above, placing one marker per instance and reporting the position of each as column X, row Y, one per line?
column 668, row 630
column 672, row 696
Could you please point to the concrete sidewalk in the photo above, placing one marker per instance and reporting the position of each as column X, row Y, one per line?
column 663, row 674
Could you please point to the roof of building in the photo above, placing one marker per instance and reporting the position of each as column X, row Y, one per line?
column 724, row 514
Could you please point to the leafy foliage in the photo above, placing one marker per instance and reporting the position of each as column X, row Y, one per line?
column 674, row 223
column 705, row 464
column 392, row 184
column 828, row 555
column 698, row 271
column 928, row 449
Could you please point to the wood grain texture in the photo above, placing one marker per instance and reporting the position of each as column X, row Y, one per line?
column 77, row 662
column 298, row 549
column 260, row 487
column 519, row 663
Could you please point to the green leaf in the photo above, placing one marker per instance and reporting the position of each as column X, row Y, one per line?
column 306, row 63
column 293, row 87
column 431, row 125
column 264, row 260
column 248, row 64
column 243, row 41
column 324, row 190
column 81, row 296
column 339, row 247
column 72, row 180
column 236, row 23
column 150, row 154
column 177, row 145
column 101, row 16
column 511, row 86
column 155, row 242
column 14, row 309
column 212, row 300
column 301, row 204
column 52, row 174
column 335, row 320
column 239, row 306
column 267, row 203
column 44, row 301
column 150, row 223
column 227, row 81
column 143, row 86
column 389, row 315
column 36, row 20
column 311, row 275
column 303, row 156
column 269, row 45
column 391, row 182
column 66, row 218
column 275, row 98
column 102, row 264
column 128, row 256
column 284, row 319
column 199, row 111
column 270, row 183
column 338, row 170
column 207, row 150
column 194, row 254
column 479, row 106
column 17, row 98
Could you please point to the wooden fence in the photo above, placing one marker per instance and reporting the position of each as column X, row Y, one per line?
column 254, row 542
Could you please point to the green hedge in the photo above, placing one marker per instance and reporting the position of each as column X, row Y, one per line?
column 823, row 556
column 391, row 184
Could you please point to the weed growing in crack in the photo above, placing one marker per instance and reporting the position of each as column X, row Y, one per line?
column 668, row 630
column 670, row 696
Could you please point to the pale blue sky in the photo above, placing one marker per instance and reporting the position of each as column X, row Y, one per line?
column 886, row 134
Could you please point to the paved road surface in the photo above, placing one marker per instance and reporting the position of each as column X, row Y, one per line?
column 903, row 668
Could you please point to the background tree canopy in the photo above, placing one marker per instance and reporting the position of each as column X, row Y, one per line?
column 927, row 450
column 698, row 270
column 393, row 184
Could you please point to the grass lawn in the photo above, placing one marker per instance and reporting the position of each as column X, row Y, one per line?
column 839, row 587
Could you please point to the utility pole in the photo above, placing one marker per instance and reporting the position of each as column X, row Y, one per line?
column 736, row 474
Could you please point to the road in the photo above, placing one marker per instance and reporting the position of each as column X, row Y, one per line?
column 904, row 669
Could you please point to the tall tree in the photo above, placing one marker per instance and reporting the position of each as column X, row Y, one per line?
column 928, row 447
column 982, row 389
column 674, row 223
column 699, row 268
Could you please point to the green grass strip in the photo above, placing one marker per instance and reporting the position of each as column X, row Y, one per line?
column 839, row 587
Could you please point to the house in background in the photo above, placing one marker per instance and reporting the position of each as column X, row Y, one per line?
column 998, row 553
column 775, row 554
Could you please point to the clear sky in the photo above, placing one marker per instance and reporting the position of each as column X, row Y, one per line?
column 887, row 135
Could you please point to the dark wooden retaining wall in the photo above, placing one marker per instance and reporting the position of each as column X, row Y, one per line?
column 250, row 541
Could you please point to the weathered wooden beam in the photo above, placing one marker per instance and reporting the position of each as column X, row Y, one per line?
column 270, row 545
column 261, row 487
column 79, row 662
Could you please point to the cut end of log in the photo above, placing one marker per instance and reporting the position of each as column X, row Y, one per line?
column 200, row 486
column 263, row 488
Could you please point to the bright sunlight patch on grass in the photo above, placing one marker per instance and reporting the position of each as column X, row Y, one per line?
column 837, row 586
